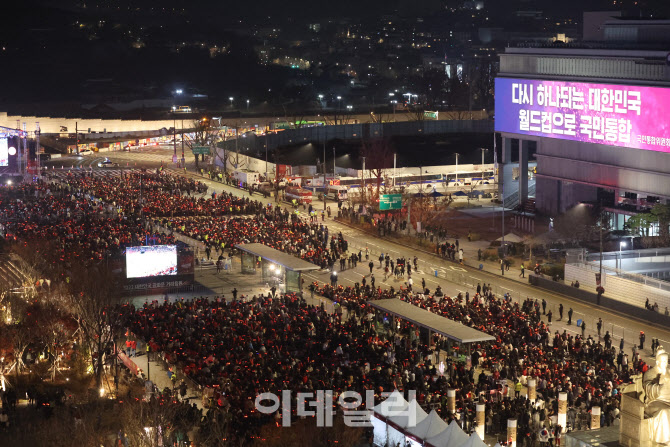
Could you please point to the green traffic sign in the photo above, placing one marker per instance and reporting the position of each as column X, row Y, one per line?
column 200, row 150
column 390, row 202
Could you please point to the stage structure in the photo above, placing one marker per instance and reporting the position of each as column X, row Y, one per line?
column 19, row 153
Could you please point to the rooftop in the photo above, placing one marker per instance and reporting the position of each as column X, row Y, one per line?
column 289, row 262
column 451, row 329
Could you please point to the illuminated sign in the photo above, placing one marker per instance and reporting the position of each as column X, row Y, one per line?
column 615, row 115
column 4, row 152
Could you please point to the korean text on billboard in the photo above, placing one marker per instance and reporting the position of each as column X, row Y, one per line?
column 615, row 115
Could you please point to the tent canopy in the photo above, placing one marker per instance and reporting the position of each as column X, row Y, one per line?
column 431, row 426
column 474, row 441
column 393, row 404
column 453, row 436
column 411, row 417
column 451, row 329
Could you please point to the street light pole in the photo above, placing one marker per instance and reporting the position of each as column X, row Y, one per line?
column 483, row 150
column 334, row 167
column 456, row 167
column 324, row 175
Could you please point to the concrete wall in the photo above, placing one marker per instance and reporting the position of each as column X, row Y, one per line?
column 54, row 124
column 617, row 288
column 606, row 301
column 634, row 170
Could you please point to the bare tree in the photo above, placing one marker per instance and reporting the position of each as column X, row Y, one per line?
column 93, row 294
column 202, row 134
column 378, row 155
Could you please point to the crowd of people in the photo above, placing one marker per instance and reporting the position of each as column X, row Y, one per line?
column 269, row 344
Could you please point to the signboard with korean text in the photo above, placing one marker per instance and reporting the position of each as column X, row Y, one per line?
column 390, row 202
column 200, row 150
column 615, row 115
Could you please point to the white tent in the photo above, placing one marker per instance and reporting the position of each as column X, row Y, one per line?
column 431, row 426
column 411, row 417
column 453, row 436
column 474, row 441
column 394, row 406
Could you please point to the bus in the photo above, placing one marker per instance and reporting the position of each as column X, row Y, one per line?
column 337, row 193
column 299, row 194
column 466, row 178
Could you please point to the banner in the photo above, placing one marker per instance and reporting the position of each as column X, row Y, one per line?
column 615, row 115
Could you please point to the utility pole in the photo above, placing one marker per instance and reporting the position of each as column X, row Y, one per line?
column 324, row 175
column 394, row 164
column 174, row 139
column 363, row 178
column 266, row 158
column 483, row 150
column 37, row 150
column 183, row 160
column 601, row 247
column 76, row 138
column 334, row 168
column 456, row 167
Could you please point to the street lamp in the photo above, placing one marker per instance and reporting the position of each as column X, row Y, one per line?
column 483, row 149
column 247, row 104
column 394, row 102
column 350, row 107
column 622, row 244
column 231, row 101
column 339, row 102
column 320, row 97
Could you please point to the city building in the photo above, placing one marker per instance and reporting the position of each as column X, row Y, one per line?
column 595, row 115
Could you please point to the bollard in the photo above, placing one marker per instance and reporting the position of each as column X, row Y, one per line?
column 562, row 410
column 595, row 418
column 480, row 418
column 532, row 390
column 451, row 400
column 511, row 432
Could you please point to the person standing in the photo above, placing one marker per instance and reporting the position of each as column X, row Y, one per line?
column 549, row 315
column 560, row 312
column 372, row 280
column 502, row 267
column 570, row 316
column 583, row 328
column 523, row 273
column 371, row 265
column 642, row 338
column 544, row 306
column 599, row 326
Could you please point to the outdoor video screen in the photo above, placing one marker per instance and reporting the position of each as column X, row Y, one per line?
column 616, row 115
column 152, row 260
column 4, row 152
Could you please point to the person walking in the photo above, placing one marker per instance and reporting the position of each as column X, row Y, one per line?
column 523, row 273
column 381, row 259
column 372, row 280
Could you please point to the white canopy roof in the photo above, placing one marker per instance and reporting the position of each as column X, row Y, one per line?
column 452, row 436
column 411, row 417
column 431, row 426
column 393, row 404
column 474, row 441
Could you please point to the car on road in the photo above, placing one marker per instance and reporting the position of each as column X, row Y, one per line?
column 107, row 163
column 85, row 152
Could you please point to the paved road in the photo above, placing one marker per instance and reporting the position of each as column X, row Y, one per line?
column 452, row 277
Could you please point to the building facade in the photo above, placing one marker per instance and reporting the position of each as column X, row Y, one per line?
column 597, row 117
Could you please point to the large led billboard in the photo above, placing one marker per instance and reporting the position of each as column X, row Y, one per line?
column 151, row 260
column 616, row 115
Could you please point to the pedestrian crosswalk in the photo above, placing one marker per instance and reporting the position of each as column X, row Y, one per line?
column 98, row 173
